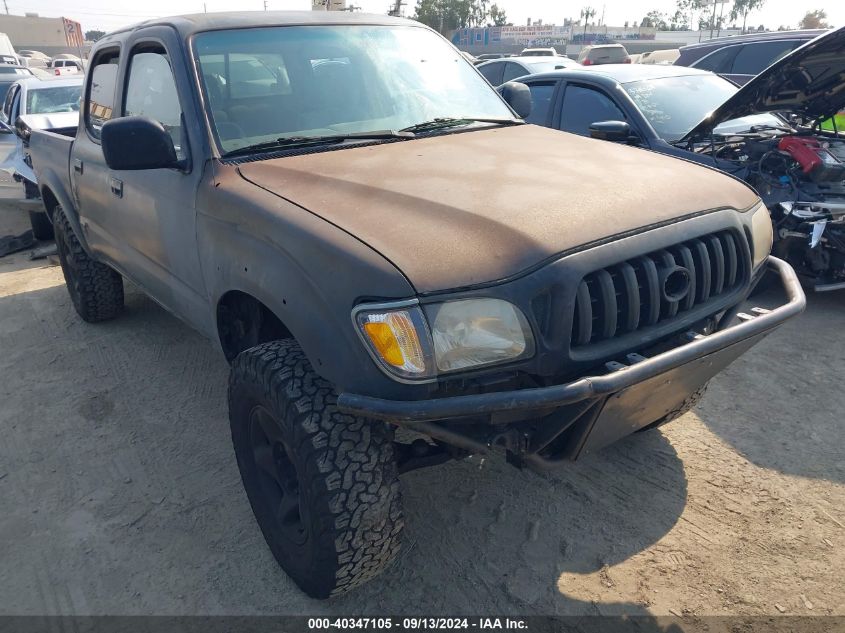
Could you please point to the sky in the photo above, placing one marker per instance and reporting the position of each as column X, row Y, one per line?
column 108, row 15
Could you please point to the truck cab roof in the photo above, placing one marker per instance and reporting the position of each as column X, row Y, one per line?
column 190, row 24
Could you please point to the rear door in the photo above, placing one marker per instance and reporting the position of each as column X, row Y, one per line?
column 753, row 58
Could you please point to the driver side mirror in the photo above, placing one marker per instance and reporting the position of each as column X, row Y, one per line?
column 517, row 96
column 136, row 142
column 617, row 131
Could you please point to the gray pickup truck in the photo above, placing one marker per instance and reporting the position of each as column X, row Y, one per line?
column 377, row 240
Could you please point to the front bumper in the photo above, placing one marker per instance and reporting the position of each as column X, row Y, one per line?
column 607, row 406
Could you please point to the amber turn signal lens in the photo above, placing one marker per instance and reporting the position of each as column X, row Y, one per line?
column 393, row 336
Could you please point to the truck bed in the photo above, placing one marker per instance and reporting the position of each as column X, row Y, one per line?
column 50, row 152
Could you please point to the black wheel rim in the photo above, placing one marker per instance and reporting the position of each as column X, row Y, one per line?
column 277, row 475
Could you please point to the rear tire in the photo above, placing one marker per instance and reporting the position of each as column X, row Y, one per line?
column 685, row 407
column 95, row 289
column 42, row 228
column 323, row 485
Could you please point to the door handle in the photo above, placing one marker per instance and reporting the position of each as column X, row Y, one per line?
column 77, row 165
column 117, row 187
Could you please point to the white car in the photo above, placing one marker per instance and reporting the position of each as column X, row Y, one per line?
column 37, row 104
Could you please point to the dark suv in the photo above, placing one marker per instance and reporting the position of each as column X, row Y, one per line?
column 741, row 57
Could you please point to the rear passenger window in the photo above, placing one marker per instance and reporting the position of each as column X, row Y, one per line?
column 717, row 61
column 752, row 59
column 584, row 106
column 493, row 72
column 101, row 92
column 541, row 102
column 151, row 92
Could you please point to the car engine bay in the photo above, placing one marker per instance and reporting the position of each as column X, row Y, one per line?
column 800, row 175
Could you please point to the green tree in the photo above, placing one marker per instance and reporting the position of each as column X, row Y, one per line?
column 93, row 36
column 814, row 20
column 693, row 7
column 448, row 15
column 743, row 8
column 498, row 16
column 655, row 19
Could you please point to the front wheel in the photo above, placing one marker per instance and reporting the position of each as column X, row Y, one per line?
column 323, row 485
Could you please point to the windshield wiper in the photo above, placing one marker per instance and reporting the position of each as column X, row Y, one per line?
column 446, row 122
column 293, row 142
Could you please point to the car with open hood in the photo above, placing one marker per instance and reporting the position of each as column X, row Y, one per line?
column 779, row 133
column 361, row 223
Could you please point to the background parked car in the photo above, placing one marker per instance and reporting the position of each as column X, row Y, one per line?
column 765, row 133
column 603, row 54
column 501, row 71
column 34, row 58
column 538, row 52
column 77, row 64
column 667, row 56
column 742, row 57
column 486, row 57
column 50, row 104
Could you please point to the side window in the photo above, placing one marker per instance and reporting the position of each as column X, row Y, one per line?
column 101, row 91
column 512, row 71
column 7, row 105
column 541, row 102
column 151, row 92
column 493, row 72
column 718, row 61
column 752, row 59
column 583, row 106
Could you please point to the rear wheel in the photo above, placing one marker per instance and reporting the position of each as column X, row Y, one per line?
column 95, row 289
column 323, row 485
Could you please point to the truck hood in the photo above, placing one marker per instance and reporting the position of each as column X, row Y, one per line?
column 457, row 210
column 809, row 82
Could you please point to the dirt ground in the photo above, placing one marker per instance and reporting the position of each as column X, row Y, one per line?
column 119, row 492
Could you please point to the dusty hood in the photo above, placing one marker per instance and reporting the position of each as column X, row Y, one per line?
column 809, row 82
column 462, row 209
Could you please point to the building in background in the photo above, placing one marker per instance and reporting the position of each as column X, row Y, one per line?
column 51, row 36
column 565, row 39
column 328, row 5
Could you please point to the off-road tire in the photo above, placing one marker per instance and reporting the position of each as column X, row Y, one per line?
column 42, row 228
column 347, row 488
column 95, row 289
column 686, row 406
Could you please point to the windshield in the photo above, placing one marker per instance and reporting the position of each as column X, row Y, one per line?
column 55, row 99
column 675, row 105
column 302, row 81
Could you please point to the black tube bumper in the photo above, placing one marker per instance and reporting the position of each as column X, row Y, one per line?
column 591, row 386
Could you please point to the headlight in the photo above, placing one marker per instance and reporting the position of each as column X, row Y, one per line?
column 461, row 334
column 761, row 235
column 473, row 332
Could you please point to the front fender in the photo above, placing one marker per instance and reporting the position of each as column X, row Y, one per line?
column 309, row 273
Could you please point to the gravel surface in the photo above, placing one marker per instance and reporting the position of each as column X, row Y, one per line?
column 119, row 492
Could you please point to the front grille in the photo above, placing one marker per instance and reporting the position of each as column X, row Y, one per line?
column 638, row 293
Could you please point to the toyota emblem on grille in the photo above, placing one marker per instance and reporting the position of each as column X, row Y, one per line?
column 676, row 283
